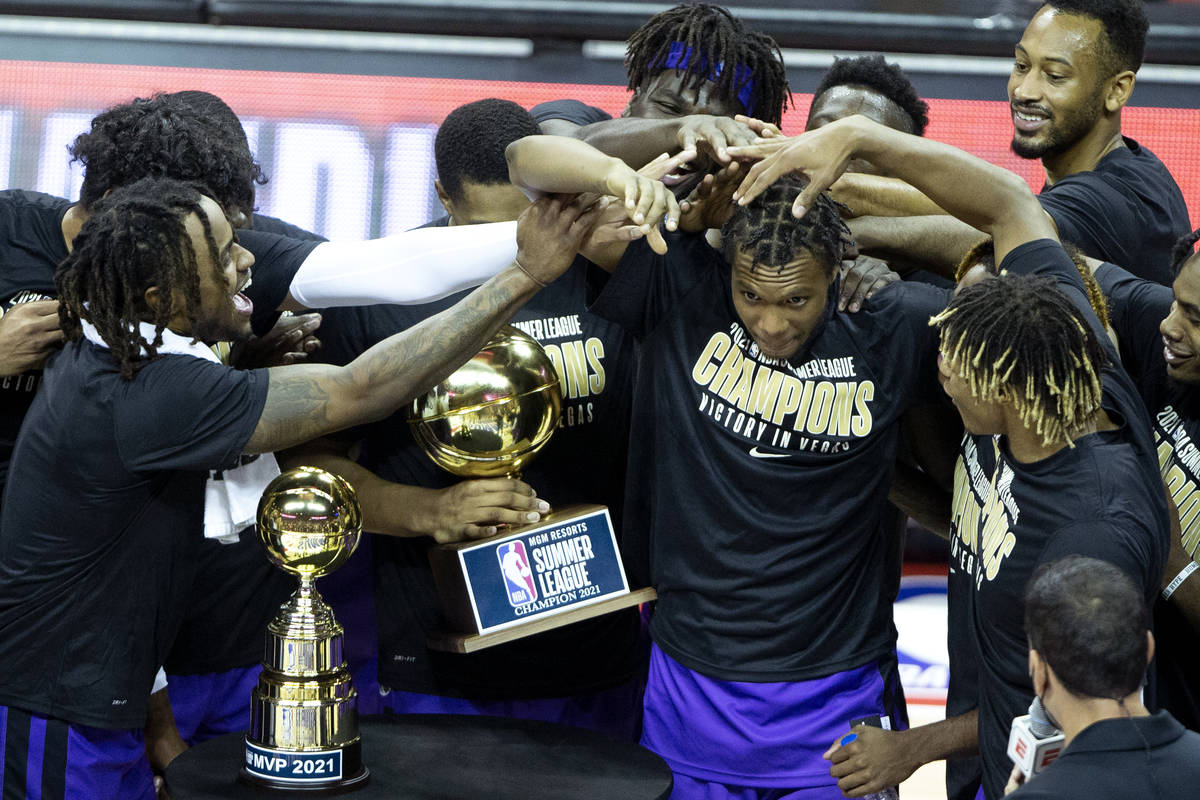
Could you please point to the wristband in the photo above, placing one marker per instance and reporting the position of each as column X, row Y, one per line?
column 1175, row 583
column 528, row 274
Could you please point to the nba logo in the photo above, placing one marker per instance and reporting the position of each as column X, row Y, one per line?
column 518, row 577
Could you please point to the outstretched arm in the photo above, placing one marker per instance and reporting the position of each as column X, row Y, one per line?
column 636, row 140
column 311, row 400
column 980, row 194
column 880, row 196
column 469, row 509
column 540, row 164
column 936, row 243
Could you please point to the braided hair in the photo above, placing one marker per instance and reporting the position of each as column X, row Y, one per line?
column 134, row 239
column 1020, row 336
column 717, row 41
column 984, row 255
column 167, row 136
column 1183, row 249
column 767, row 230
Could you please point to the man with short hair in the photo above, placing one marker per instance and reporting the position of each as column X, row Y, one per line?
column 133, row 415
column 414, row 504
column 1089, row 644
column 870, row 86
column 1073, row 72
column 472, row 175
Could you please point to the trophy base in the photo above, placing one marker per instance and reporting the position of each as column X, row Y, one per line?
column 527, row 577
column 315, row 773
column 471, row 642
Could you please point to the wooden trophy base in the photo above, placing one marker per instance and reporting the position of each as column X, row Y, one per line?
column 470, row 642
column 529, row 579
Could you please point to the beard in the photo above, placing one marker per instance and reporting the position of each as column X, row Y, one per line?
column 1060, row 133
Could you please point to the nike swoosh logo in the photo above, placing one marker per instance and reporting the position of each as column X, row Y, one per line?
column 754, row 451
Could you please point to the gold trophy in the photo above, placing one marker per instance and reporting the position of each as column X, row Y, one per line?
column 488, row 420
column 304, row 711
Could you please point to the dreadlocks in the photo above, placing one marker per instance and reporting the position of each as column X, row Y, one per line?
column 1020, row 337
column 984, row 255
column 1182, row 250
column 712, row 45
column 766, row 228
column 134, row 239
column 168, row 136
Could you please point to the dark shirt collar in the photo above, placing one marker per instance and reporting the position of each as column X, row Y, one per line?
column 1122, row 734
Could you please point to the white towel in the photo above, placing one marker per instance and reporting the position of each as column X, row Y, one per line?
column 230, row 495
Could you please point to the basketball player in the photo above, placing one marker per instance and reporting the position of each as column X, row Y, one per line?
column 1054, row 463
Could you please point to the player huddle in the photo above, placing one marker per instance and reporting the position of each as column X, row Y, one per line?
column 758, row 401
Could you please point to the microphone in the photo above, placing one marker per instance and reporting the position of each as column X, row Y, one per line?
column 1034, row 742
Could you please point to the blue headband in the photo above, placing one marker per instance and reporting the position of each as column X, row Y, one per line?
column 680, row 57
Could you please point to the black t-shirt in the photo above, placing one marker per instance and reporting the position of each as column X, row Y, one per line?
column 1128, row 210
column 1116, row 759
column 569, row 110
column 101, row 522
column 1101, row 498
column 1136, row 308
column 261, row 222
column 758, row 486
column 31, row 247
column 583, row 462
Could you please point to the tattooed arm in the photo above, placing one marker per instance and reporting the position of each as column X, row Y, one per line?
column 310, row 400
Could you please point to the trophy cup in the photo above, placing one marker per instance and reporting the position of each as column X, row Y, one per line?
column 488, row 420
column 303, row 712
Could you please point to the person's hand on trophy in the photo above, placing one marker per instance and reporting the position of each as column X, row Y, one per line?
column 475, row 509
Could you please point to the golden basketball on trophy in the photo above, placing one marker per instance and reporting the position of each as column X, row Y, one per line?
column 489, row 419
column 491, row 416
column 304, row 711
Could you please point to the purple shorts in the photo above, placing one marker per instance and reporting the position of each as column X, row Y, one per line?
column 48, row 759
column 616, row 711
column 212, row 704
column 758, row 737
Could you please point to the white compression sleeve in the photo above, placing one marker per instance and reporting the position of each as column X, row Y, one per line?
column 417, row 266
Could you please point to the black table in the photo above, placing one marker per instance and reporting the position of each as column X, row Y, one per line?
column 455, row 756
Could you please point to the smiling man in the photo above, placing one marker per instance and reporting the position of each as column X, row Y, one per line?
column 1073, row 72
column 1159, row 333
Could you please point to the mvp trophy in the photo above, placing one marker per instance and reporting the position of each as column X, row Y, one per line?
column 488, row 420
column 303, row 712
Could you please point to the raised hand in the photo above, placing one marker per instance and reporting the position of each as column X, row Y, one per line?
column 717, row 134
column 711, row 203
column 647, row 200
column 821, row 155
column 549, row 234
column 862, row 278
column 290, row 341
